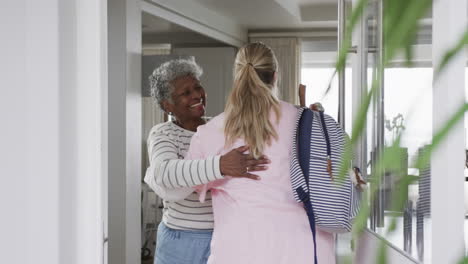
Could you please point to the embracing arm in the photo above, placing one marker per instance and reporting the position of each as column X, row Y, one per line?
column 171, row 177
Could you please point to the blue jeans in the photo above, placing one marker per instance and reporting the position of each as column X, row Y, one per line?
column 182, row 246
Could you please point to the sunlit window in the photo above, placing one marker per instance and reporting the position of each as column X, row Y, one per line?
column 408, row 107
column 317, row 81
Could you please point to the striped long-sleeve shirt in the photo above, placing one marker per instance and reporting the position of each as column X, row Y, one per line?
column 172, row 177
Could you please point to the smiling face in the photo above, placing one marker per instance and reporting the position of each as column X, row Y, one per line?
column 189, row 99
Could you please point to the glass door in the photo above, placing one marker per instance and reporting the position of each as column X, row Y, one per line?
column 399, row 127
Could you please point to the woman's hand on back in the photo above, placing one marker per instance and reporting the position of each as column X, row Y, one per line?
column 237, row 164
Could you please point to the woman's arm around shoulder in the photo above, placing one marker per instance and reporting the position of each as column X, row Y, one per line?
column 169, row 176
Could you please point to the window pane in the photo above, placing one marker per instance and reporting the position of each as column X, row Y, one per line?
column 317, row 80
column 408, row 110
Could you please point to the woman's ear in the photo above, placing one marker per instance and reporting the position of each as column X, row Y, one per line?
column 275, row 77
column 167, row 107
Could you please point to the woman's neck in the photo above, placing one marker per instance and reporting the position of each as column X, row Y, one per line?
column 191, row 124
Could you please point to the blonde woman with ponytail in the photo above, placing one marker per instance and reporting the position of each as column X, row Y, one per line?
column 257, row 222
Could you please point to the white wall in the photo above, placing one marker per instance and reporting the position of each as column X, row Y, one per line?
column 53, row 75
column 447, row 170
column 124, row 131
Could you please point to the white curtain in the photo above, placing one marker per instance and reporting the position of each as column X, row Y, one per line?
column 288, row 53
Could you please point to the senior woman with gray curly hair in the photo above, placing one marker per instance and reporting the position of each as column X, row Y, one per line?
column 185, row 232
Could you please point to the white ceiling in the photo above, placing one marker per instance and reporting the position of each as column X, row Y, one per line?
column 153, row 24
column 236, row 18
column 160, row 31
column 308, row 2
column 274, row 14
column 255, row 15
column 232, row 19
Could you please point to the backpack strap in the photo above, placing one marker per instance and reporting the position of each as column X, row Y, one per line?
column 305, row 133
column 296, row 173
column 327, row 141
column 304, row 137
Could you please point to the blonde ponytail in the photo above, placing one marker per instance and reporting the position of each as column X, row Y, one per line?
column 252, row 98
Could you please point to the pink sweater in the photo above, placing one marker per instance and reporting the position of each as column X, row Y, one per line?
column 259, row 222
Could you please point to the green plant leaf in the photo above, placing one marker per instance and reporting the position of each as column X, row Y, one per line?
column 382, row 253
column 451, row 53
column 441, row 134
column 343, row 51
column 463, row 260
column 400, row 27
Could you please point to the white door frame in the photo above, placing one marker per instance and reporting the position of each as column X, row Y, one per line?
column 124, row 131
column 125, row 109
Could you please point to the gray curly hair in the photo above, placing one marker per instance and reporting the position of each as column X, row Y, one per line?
column 161, row 78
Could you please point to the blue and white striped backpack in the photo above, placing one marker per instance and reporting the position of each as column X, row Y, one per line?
column 331, row 202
